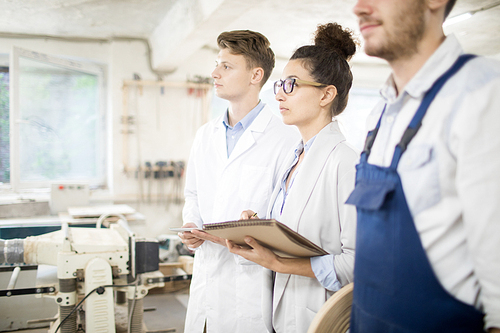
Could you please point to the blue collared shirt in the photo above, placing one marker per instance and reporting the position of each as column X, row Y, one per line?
column 277, row 210
column 322, row 266
column 233, row 134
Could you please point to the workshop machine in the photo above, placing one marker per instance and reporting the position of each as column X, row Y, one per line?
column 91, row 264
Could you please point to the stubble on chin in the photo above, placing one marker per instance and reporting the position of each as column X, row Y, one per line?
column 401, row 34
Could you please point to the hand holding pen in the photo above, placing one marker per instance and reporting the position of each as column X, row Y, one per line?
column 248, row 214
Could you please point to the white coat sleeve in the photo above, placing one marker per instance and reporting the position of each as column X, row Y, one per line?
column 191, row 210
column 344, row 262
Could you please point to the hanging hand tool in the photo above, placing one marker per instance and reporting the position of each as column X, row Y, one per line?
column 159, row 174
column 148, row 174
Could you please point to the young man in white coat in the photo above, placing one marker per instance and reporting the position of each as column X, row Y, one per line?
column 233, row 166
column 428, row 186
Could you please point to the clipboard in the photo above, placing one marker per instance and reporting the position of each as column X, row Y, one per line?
column 184, row 229
column 270, row 233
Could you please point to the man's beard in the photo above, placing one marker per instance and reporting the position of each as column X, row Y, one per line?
column 401, row 42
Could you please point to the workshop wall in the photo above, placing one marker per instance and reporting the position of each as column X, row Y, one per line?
column 162, row 120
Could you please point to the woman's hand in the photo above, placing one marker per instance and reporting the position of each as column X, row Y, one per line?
column 248, row 214
column 266, row 258
column 256, row 253
column 207, row 237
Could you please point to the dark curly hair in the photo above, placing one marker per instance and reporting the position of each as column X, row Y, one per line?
column 448, row 8
column 327, row 60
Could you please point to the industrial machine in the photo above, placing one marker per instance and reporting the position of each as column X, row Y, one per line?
column 96, row 268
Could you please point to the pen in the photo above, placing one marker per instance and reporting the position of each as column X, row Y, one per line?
column 254, row 215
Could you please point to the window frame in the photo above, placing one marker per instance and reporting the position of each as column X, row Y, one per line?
column 76, row 65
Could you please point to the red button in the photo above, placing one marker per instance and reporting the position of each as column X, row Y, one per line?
column 61, row 187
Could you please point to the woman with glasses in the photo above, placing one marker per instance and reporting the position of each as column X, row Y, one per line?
column 320, row 176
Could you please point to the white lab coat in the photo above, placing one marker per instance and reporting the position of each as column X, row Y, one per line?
column 225, row 292
column 315, row 208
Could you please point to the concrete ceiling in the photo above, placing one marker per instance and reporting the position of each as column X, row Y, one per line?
column 179, row 29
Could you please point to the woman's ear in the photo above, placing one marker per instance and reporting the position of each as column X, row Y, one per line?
column 329, row 94
column 257, row 75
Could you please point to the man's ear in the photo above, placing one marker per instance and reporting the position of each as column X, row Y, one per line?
column 257, row 75
column 329, row 94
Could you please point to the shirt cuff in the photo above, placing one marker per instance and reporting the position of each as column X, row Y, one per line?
column 324, row 270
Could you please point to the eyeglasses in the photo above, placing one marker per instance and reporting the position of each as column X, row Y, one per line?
column 289, row 83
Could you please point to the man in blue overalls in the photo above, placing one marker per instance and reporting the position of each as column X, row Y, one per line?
column 428, row 182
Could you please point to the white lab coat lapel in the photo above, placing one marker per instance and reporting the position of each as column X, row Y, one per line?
column 220, row 139
column 268, row 307
column 310, row 170
column 248, row 139
column 276, row 191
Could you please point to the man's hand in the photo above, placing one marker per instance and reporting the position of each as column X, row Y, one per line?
column 188, row 238
column 195, row 238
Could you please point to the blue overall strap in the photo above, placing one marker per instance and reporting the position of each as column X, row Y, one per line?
column 416, row 122
column 370, row 139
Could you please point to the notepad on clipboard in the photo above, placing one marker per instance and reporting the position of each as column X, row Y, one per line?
column 270, row 233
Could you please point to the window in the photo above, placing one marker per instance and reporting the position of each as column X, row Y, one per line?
column 353, row 120
column 4, row 126
column 57, row 121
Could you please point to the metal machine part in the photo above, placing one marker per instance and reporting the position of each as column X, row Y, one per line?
column 147, row 255
column 67, row 301
column 11, row 251
column 90, row 262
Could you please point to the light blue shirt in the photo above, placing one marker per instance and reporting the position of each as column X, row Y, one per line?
column 233, row 134
column 322, row 266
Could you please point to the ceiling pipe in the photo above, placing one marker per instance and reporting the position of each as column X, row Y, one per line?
column 145, row 41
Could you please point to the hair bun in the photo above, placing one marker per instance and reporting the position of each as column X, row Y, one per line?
column 340, row 40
